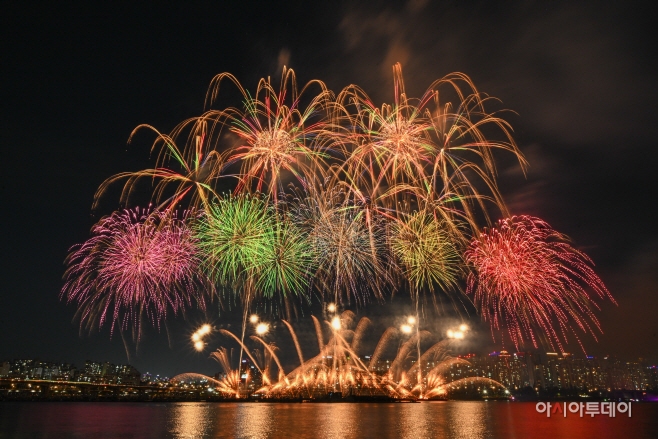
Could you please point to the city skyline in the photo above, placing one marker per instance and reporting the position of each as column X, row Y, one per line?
column 566, row 127
column 518, row 372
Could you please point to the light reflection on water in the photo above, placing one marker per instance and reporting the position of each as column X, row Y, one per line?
column 191, row 420
column 453, row 419
column 337, row 421
column 467, row 419
column 414, row 421
column 255, row 420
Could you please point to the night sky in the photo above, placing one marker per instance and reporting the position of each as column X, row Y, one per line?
column 76, row 81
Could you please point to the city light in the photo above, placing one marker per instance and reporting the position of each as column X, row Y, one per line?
column 463, row 328
column 198, row 345
column 331, row 307
column 451, row 334
column 335, row 323
column 253, row 318
column 262, row 329
column 406, row 329
column 459, row 334
column 196, row 337
column 411, row 320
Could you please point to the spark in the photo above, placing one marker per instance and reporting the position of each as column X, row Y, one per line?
column 262, row 328
column 527, row 277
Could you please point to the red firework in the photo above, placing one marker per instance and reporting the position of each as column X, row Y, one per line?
column 137, row 264
column 528, row 278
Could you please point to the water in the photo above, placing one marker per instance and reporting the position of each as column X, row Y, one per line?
column 452, row 419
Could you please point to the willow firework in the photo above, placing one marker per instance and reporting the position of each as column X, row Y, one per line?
column 138, row 264
column 528, row 278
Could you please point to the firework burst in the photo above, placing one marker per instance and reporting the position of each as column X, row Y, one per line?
column 137, row 264
column 233, row 234
column 276, row 135
column 528, row 278
column 424, row 144
column 348, row 246
column 426, row 252
column 285, row 264
column 339, row 196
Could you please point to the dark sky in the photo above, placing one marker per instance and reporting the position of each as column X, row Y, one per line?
column 77, row 79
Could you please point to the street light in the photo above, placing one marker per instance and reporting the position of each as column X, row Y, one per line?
column 331, row 307
column 406, row 329
column 335, row 323
column 463, row 328
column 411, row 320
column 198, row 345
column 253, row 318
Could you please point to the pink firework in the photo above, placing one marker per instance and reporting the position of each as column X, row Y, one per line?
column 137, row 264
column 529, row 279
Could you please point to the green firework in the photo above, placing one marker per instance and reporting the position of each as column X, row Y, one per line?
column 234, row 233
column 284, row 265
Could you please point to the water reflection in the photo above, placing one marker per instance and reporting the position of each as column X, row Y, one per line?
column 190, row 420
column 451, row 419
column 254, row 420
column 415, row 421
column 337, row 421
column 467, row 419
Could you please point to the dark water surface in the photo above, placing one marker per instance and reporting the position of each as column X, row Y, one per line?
column 452, row 419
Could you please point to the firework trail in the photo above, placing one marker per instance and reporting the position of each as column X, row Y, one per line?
column 530, row 279
column 137, row 264
column 198, row 167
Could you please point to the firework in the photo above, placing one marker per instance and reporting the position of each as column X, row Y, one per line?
column 423, row 144
column 137, row 264
column 338, row 196
column 338, row 367
column 233, row 234
column 528, row 278
column 284, row 265
column 199, row 166
column 347, row 243
column 276, row 135
column 426, row 252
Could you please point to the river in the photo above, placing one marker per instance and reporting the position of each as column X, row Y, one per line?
column 449, row 419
